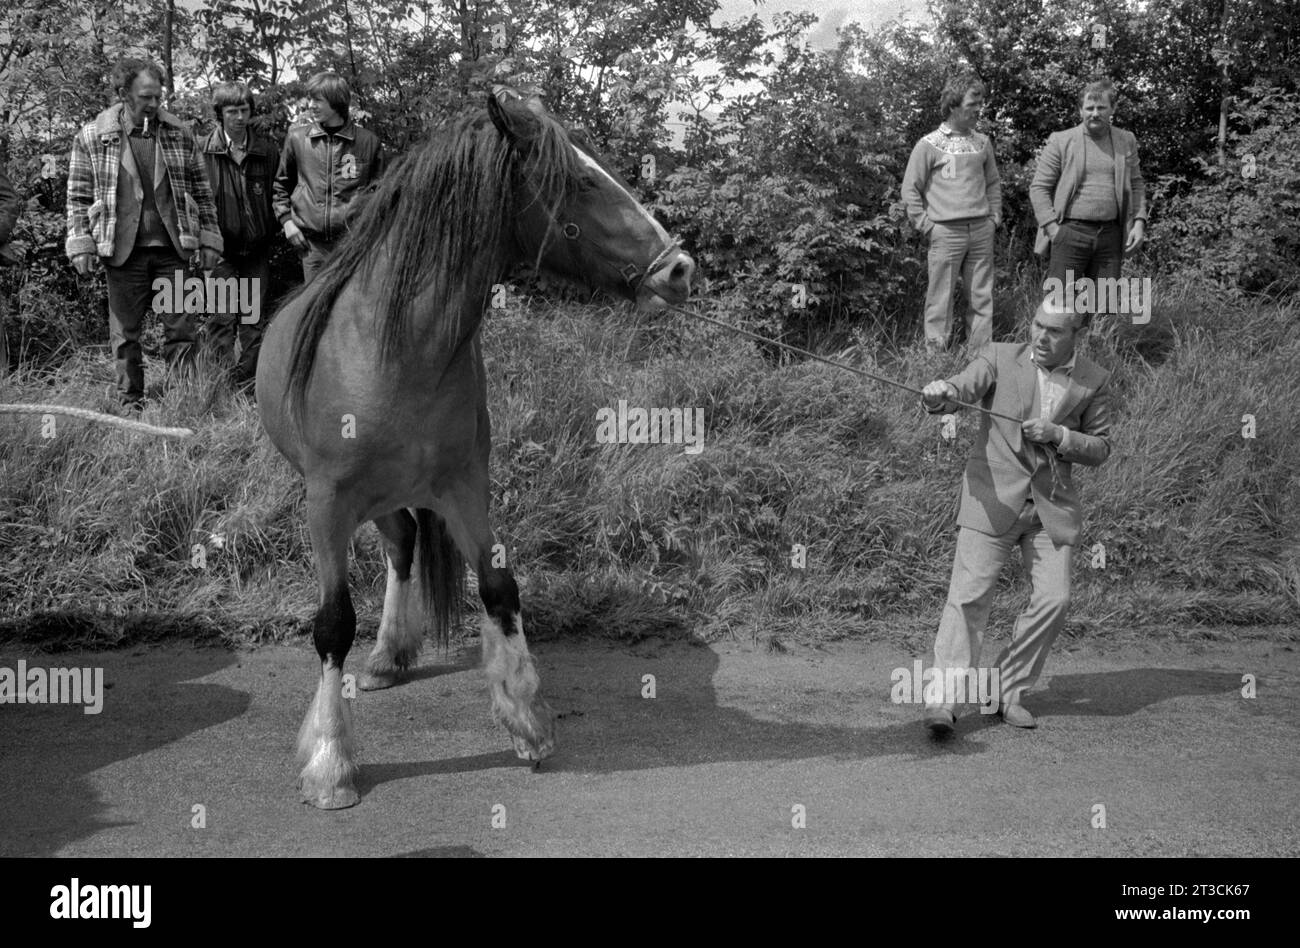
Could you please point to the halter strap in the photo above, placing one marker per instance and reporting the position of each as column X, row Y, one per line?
column 632, row 275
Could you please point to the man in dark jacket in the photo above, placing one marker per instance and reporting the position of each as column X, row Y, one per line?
column 241, row 169
column 324, row 169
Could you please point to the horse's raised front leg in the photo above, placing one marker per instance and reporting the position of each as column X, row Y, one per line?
column 512, row 678
column 401, row 628
column 326, row 746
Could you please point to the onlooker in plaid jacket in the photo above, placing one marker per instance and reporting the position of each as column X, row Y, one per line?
column 139, row 200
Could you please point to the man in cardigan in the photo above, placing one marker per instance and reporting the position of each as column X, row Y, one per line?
column 953, row 195
column 138, row 199
column 1017, row 491
column 1088, row 195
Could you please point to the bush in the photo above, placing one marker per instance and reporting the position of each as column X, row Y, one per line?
column 1240, row 226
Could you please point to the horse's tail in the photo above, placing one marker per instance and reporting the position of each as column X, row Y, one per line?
column 442, row 573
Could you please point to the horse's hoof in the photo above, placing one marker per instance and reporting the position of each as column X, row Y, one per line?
column 536, row 753
column 378, row 681
column 330, row 798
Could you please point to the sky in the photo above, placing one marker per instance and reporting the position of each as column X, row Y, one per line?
column 833, row 13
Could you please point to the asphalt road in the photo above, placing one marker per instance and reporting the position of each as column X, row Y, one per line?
column 717, row 763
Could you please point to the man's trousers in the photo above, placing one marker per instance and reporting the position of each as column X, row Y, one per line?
column 1092, row 251
column 978, row 562
column 222, row 328
column 966, row 249
column 318, row 249
column 130, row 296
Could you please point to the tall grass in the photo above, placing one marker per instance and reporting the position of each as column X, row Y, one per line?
column 99, row 528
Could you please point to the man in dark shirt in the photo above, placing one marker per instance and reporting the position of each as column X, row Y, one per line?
column 241, row 168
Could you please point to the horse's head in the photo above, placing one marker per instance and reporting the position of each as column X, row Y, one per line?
column 577, row 218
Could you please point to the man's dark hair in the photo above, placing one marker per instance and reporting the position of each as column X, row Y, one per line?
column 954, row 92
column 125, row 71
column 334, row 89
column 225, row 94
column 1099, row 87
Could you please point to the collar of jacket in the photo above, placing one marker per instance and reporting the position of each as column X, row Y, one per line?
column 215, row 144
column 347, row 131
column 1067, row 366
column 109, row 122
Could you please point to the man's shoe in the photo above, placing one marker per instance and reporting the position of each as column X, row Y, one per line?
column 1017, row 716
column 940, row 721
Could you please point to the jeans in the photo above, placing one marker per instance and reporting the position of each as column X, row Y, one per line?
column 318, row 248
column 1086, row 250
column 221, row 329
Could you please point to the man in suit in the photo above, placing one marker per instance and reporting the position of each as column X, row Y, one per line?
column 1017, row 491
column 953, row 196
column 1087, row 193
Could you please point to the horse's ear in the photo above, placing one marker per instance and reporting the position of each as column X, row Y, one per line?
column 514, row 115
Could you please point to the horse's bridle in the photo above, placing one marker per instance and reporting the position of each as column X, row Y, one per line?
column 632, row 274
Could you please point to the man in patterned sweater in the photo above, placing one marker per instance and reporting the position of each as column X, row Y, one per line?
column 953, row 195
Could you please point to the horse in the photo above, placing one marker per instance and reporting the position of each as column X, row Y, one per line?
column 371, row 384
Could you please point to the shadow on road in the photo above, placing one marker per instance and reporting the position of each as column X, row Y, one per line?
column 46, row 798
column 1121, row 693
column 607, row 726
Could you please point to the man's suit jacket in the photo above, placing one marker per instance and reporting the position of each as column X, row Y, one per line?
column 1059, row 174
column 1005, row 467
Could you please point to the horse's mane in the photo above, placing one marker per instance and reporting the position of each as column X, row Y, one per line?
column 442, row 213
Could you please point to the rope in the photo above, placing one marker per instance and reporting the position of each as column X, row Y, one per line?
column 838, row 365
column 1045, row 449
column 128, row 423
